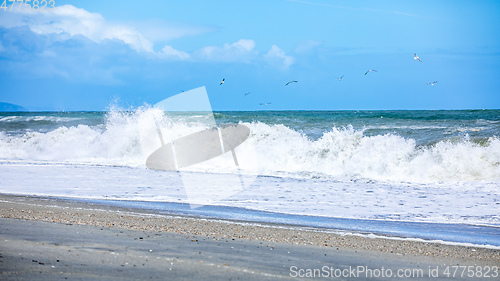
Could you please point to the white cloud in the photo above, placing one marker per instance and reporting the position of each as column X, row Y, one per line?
column 129, row 36
column 76, row 21
column 240, row 51
column 277, row 55
column 169, row 52
column 67, row 21
column 160, row 30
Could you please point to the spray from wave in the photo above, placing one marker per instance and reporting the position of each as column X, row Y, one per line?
column 128, row 137
column 347, row 154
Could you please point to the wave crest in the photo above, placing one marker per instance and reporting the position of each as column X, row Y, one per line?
column 128, row 137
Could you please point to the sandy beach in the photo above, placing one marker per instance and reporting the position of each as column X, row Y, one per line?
column 51, row 239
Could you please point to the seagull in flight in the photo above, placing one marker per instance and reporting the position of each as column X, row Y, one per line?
column 267, row 103
column 340, row 78
column 370, row 71
column 222, row 82
column 289, row 82
column 432, row 83
column 417, row 58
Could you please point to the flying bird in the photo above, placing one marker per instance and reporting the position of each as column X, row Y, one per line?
column 267, row 103
column 247, row 93
column 417, row 58
column 432, row 83
column 370, row 71
column 222, row 82
column 289, row 82
column 340, row 78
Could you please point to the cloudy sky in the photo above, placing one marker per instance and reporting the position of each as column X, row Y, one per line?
column 94, row 54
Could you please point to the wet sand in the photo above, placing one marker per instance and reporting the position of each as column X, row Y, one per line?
column 49, row 239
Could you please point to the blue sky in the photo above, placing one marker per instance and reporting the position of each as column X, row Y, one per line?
column 91, row 55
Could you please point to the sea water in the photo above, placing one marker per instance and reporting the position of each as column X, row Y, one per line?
column 415, row 166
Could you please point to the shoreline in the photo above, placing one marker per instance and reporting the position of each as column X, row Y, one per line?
column 89, row 214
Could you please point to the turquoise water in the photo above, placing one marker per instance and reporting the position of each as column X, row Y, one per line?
column 422, row 146
column 424, row 126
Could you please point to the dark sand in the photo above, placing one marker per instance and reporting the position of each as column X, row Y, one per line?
column 49, row 239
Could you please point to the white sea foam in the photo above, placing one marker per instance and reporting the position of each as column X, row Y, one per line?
column 342, row 153
column 442, row 203
column 348, row 154
column 9, row 118
column 51, row 118
column 412, row 127
column 54, row 119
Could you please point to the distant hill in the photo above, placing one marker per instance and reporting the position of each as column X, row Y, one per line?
column 4, row 106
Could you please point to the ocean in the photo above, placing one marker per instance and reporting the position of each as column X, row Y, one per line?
column 428, row 166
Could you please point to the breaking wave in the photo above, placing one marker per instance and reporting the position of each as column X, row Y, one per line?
column 344, row 153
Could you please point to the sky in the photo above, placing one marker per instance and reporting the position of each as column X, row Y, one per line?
column 97, row 55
